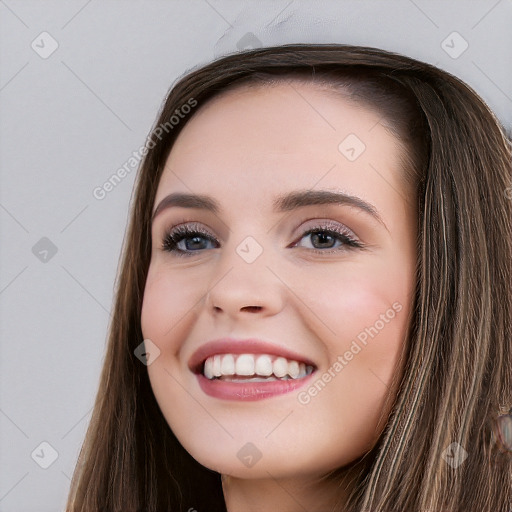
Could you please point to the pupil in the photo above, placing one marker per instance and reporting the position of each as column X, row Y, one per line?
column 193, row 240
column 323, row 237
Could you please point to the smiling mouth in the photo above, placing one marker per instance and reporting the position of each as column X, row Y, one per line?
column 246, row 368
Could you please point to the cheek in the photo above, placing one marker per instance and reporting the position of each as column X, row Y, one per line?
column 357, row 302
column 368, row 313
column 168, row 304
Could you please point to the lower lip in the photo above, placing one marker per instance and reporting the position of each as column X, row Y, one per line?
column 249, row 391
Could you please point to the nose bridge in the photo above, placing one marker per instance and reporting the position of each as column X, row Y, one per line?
column 248, row 246
column 242, row 279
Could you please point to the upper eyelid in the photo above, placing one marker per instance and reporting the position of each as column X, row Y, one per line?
column 311, row 225
column 331, row 209
column 315, row 224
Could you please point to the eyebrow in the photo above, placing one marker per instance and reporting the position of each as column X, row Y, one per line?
column 285, row 203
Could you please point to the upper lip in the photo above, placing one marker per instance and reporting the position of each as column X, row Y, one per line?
column 239, row 346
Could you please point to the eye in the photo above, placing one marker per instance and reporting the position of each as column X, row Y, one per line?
column 185, row 240
column 326, row 235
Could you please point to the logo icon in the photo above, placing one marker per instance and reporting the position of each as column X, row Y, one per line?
column 44, row 455
column 249, row 250
column 248, row 41
column 44, row 45
column 147, row 352
column 454, row 45
column 455, row 455
column 249, row 455
column 503, row 432
column 44, row 250
column 351, row 147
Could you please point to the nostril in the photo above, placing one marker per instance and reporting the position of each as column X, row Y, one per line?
column 252, row 308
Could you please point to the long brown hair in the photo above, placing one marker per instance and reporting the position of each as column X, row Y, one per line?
column 457, row 364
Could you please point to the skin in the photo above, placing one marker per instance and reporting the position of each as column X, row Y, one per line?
column 243, row 148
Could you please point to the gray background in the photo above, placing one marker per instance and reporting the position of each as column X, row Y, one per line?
column 69, row 120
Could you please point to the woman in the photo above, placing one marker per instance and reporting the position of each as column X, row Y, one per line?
column 319, row 261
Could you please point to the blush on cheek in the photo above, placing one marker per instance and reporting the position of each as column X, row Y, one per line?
column 357, row 304
column 368, row 320
column 169, row 312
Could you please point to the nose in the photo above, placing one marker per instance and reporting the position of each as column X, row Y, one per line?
column 238, row 287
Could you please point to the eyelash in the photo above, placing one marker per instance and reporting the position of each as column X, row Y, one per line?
column 174, row 236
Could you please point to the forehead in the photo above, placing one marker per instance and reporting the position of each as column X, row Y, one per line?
column 290, row 117
column 281, row 137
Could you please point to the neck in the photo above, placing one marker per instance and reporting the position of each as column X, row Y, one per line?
column 285, row 495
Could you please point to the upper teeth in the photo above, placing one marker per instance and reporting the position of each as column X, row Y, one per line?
column 250, row 364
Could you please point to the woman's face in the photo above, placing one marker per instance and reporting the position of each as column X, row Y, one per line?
column 337, row 299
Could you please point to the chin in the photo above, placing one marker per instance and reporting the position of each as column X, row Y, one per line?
column 242, row 459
